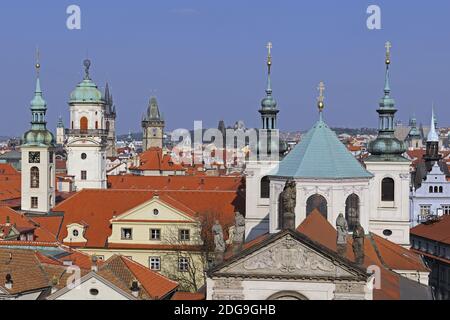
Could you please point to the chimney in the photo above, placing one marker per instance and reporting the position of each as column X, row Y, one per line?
column 54, row 284
column 9, row 282
column 135, row 288
column 94, row 266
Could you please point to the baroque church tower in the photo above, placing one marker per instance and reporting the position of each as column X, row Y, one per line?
column 38, row 159
column 87, row 137
column 389, row 209
column 153, row 126
column 258, row 168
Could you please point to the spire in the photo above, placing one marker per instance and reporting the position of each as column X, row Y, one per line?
column 386, row 147
column 387, row 86
column 321, row 99
column 269, row 109
column 432, row 135
column 153, row 109
column 38, row 133
column 269, row 68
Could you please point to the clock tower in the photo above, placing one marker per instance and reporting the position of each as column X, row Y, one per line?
column 153, row 127
column 38, row 159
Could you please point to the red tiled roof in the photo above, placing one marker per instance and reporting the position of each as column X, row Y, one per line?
column 395, row 257
column 438, row 231
column 154, row 160
column 176, row 183
column 156, row 285
column 188, row 296
column 97, row 207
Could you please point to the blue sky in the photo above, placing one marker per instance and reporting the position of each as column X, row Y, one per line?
column 206, row 59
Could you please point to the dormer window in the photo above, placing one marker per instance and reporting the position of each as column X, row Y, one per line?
column 127, row 234
column 155, row 212
column 75, row 233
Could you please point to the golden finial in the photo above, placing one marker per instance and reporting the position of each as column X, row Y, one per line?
column 269, row 54
column 38, row 64
column 321, row 97
column 388, row 47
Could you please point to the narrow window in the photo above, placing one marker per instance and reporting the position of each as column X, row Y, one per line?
column 127, row 234
column 387, row 190
column 34, row 178
column 34, row 202
column 83, row 175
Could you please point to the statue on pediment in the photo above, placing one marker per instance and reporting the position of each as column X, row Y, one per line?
column 288, row 203
column 358, row 244
column 342, row 233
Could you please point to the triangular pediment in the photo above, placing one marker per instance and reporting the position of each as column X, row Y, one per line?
column 155, row 210
column 289, row 257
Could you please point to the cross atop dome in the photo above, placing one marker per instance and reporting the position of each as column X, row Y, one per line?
column 321, row 97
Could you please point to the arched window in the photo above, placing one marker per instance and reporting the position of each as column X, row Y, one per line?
column 50, row 177
column 96, row 125
column 83, row 124
column 107, row 125
column 265, row 188
column 352, row 211
column 431, row 189
column 436, row 190
column 317, row 202
column 34, row 178
column 441, row 190
column 387, row 190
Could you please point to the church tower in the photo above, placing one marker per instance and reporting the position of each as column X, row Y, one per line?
column 153, row 126
column 60, row 132
column 267, row 158
column 38, row 159
column 432, row 151
column 389, row 208
column 414, row 138
column 110, row 124
column 87, row 137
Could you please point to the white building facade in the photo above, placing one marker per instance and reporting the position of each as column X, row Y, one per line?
column 87, row 137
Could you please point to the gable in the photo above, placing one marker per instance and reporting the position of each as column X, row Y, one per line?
column 84, row 289
column 287, row 257
column 156, row 210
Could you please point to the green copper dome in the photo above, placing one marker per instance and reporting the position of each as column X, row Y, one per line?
column 38, row 135
column 86, row 91
column 39, row 138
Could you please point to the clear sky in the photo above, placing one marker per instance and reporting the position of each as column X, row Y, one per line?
column 206, row 59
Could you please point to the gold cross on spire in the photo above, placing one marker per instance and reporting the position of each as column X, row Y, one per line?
column 388, row 47
column 321, row 97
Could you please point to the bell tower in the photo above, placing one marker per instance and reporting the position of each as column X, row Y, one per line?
column 38, row 158
column 153, row 126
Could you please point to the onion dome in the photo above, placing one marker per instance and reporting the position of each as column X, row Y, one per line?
column 386, row 146
column 38, row 135
column 86, row 91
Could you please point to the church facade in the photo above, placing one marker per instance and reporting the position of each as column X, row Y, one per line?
column 328, row 178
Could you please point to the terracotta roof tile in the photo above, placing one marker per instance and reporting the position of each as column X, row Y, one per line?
column 438, row 231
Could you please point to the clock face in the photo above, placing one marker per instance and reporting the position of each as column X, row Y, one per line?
column 34, row 157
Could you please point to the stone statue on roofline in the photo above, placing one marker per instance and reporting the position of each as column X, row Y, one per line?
column 358, row 244
column 239, row 232
column 288, row 203
column 219, row 242
column 342, row 234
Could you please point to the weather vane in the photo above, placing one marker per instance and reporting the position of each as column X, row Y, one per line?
column 321, row 97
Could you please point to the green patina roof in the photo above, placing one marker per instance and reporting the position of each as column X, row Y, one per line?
column 320, row 155
column 86, row 91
